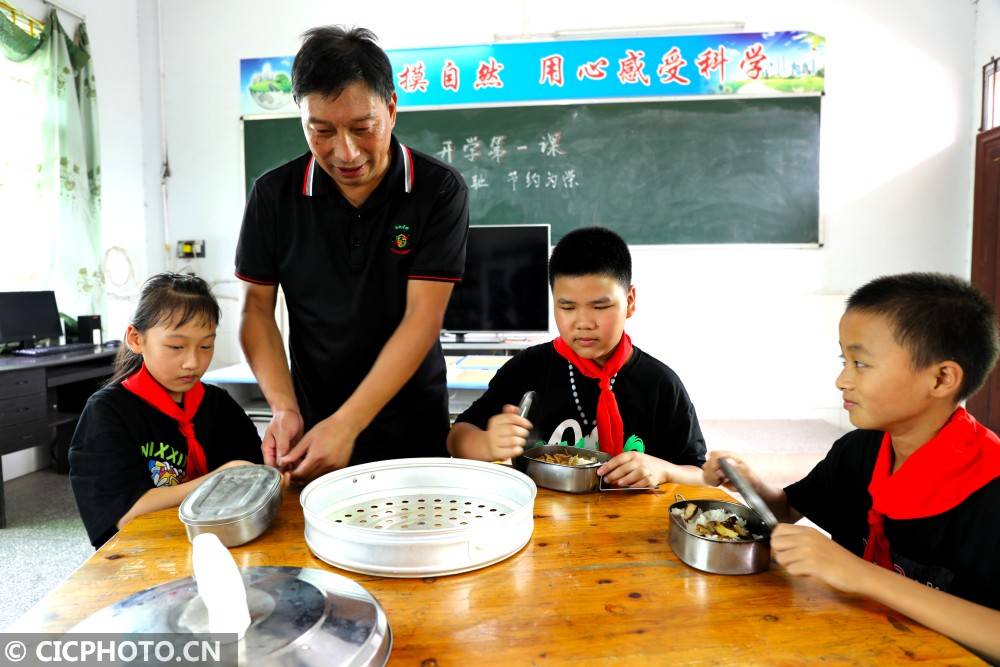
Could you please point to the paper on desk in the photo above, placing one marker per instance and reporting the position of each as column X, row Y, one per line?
column 482, row 361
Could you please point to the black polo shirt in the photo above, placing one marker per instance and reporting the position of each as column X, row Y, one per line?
column 344, row 272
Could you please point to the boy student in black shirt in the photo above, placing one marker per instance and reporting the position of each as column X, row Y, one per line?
column 149, row 437
column 916, row 489
column 594, row 389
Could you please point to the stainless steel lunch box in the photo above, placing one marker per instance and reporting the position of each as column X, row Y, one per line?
column 572, row 479
column 720, row 556
column 236, row 504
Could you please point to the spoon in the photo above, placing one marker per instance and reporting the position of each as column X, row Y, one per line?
column 754, row 500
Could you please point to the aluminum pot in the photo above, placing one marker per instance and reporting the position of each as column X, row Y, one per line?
column 418, row 517
column 572, row 479
column 720, row 556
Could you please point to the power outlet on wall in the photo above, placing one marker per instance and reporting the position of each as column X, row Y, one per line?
column 190, row 249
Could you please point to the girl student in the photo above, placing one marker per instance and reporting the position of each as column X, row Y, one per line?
column 151, row 435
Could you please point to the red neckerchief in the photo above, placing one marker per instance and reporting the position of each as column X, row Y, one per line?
column 145, row 386
column 610, row 432
column 962, row 458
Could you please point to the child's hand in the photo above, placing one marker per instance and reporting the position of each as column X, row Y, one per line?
column 506, row 434
column 635, row 469
column 714, row 476
column 804, row 551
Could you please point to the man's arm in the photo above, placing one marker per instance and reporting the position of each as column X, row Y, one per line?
column 330, row 443
column 261, row 342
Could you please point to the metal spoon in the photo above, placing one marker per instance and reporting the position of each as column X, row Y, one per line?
column 754, row 500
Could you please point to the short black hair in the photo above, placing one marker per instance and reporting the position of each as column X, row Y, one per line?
column 937, row 317
column 591, row 251
column 333, row 57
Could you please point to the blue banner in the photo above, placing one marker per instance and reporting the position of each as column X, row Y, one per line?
column 627, row 68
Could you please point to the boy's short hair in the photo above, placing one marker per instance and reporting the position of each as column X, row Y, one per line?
column 333, row 57
column 591, row 251
column 936, row 317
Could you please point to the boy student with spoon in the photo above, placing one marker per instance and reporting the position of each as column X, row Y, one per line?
column 594, row 389
column 915, row 491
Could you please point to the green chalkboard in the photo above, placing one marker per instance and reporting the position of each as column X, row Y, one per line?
column 719, row 171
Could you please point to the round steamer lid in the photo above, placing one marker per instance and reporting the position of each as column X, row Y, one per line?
column 300, row 616
column 230, row 495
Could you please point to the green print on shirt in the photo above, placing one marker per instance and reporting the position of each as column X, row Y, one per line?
column 634, row 443
column 163, row 452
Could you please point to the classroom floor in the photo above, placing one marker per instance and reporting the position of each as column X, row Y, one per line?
column 45, row 541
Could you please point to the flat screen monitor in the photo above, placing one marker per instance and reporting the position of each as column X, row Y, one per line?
column 505, row 287
column 28, row 316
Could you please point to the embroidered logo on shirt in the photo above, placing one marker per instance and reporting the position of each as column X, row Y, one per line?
column 167, row 465
column 634, row 443
column 164, row 474
column 400, row 240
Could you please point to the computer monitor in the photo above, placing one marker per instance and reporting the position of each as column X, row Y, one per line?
column 505, row 288
column 26, row 317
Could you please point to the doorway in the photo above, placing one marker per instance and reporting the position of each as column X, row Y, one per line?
column 985, row 404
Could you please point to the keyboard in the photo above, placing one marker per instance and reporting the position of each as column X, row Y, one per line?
column 54, row 349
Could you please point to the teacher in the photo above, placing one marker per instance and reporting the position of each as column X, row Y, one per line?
column 366, row 238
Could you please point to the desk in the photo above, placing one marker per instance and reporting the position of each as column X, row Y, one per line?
column 597, row 583
column 466, row 382
column 42, row 395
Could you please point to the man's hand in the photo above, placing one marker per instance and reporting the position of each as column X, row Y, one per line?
column 327, row 446
column 281, row 435
column 635, row 469
column 506, row 434
column 804, row 551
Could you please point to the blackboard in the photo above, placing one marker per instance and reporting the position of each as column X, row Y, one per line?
column 708, row 171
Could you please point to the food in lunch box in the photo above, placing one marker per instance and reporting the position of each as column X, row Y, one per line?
column 717, row 524
column 564, row 459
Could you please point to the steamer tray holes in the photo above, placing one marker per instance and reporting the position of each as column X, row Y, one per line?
column 418, row 512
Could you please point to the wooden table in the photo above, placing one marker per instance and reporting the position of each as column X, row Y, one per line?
column 597, row 583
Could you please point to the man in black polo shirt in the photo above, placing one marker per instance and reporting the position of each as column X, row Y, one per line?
column 366, row 238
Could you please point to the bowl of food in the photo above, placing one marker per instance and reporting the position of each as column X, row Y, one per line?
column 564, row 468
column 719, row 537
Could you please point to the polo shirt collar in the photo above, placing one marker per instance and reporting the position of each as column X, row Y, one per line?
column 399, row 177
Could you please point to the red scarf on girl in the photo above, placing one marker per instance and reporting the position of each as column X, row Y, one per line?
column 962, row 458
column 145, row 386
column 610, row 432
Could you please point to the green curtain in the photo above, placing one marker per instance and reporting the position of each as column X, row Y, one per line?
column 59, row 214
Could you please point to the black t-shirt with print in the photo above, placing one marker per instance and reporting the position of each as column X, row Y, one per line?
column 344, row 271
column 653, row 403
column 957, row 551
column 123, row 447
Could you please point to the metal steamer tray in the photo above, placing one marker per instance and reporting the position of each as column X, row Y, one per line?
column 301, row 617
column 418, row 517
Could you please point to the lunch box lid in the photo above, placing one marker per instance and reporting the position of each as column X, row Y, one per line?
column 302, row 616
column 230, row 495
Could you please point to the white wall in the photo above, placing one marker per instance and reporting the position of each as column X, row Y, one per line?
column 752, row 331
